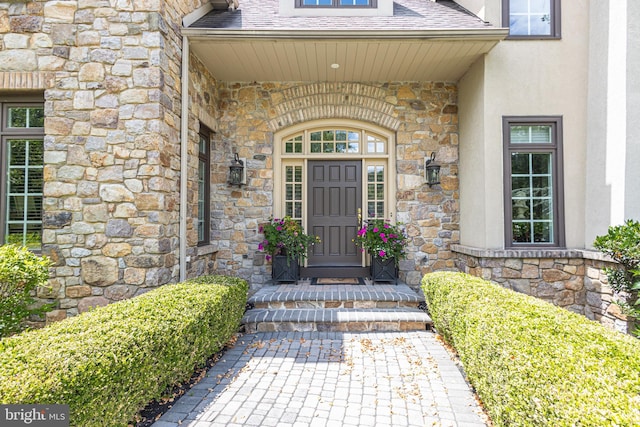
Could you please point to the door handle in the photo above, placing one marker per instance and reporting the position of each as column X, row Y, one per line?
column 359, row 217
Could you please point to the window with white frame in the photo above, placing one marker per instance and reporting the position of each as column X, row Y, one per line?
column 376, row 191
column 532, row 18
column 533, row 182
column 293, row 191
column 22, row 135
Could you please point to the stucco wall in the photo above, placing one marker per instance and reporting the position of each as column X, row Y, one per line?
column 475, row 213
column 529, row 78
column 632, row 195
column 614, row 130
column 586, row 78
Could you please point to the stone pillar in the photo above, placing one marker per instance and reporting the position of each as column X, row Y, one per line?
column 111, row 146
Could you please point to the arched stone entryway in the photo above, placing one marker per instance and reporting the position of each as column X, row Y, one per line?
column 419, row 118
column 354, row 101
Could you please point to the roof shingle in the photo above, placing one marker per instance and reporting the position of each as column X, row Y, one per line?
column 409, row 15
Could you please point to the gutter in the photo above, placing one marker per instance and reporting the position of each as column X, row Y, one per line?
column 491, row 33
column 184, row 140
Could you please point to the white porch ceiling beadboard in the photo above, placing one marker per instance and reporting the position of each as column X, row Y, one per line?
column 258, row 59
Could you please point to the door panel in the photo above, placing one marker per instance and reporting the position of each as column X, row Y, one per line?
column 317, row 202
column 336, row 194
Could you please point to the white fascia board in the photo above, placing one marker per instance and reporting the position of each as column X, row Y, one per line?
column 491, row 33
column 192, row 17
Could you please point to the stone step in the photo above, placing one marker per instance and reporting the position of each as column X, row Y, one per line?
column 335, row 320
column 304, row 306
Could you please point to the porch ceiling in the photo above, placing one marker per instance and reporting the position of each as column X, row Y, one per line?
column 308, row 56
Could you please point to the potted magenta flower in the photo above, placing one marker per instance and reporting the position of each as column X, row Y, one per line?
column 385, row 242
column 286, row 245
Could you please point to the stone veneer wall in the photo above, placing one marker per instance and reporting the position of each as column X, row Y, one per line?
column 203, row 108
column 424, row 116
column 573, row 279
column 109, row 75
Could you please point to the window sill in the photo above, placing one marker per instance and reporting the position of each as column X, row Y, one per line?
column 533, row 38
column 207, row 249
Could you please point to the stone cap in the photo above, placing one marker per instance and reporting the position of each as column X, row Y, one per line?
column 531, row 253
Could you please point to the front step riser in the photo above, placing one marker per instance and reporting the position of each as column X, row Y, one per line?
column 336, row 327
column 319, row 308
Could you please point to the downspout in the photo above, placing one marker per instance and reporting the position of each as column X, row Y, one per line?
column 184, row 142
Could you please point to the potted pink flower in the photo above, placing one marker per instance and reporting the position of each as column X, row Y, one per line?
column 286, row 245
column 386, row 243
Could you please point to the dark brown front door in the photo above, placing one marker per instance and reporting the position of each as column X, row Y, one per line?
column 335, row 195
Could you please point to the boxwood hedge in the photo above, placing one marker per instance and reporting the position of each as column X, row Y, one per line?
column 21, row 273
column 534, row 364
column 108, row 363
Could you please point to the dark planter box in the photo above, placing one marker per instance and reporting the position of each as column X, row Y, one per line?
column 384, row 270
column 284, row 269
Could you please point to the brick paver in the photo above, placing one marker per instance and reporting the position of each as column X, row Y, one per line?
column 330, row 378
column 304, row 291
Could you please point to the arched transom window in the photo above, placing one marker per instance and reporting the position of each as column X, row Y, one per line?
column 335, row 141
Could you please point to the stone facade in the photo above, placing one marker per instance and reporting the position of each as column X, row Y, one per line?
column 203, row 108
column 572, row 279
column 109, row 74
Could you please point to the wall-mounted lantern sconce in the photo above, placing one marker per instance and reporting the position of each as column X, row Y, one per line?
column 431, row 170
column 237, row 171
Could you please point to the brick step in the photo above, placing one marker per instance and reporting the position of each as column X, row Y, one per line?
column 284, row 305
column 335, row 320
column 335, row 308
column 292, row 296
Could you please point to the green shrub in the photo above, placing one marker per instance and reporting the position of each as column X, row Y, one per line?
column 534, row 364
column 21, row 272
column 108, row 363
column 622, row 243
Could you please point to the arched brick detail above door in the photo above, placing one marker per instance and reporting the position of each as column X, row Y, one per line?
column 316, row 101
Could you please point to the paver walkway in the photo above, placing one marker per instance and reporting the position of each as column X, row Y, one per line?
column 330, row 378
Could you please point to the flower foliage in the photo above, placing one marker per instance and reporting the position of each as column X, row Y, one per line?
column 21, row 274
column 286, row 237
column 622, row 243
column 382, row 239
